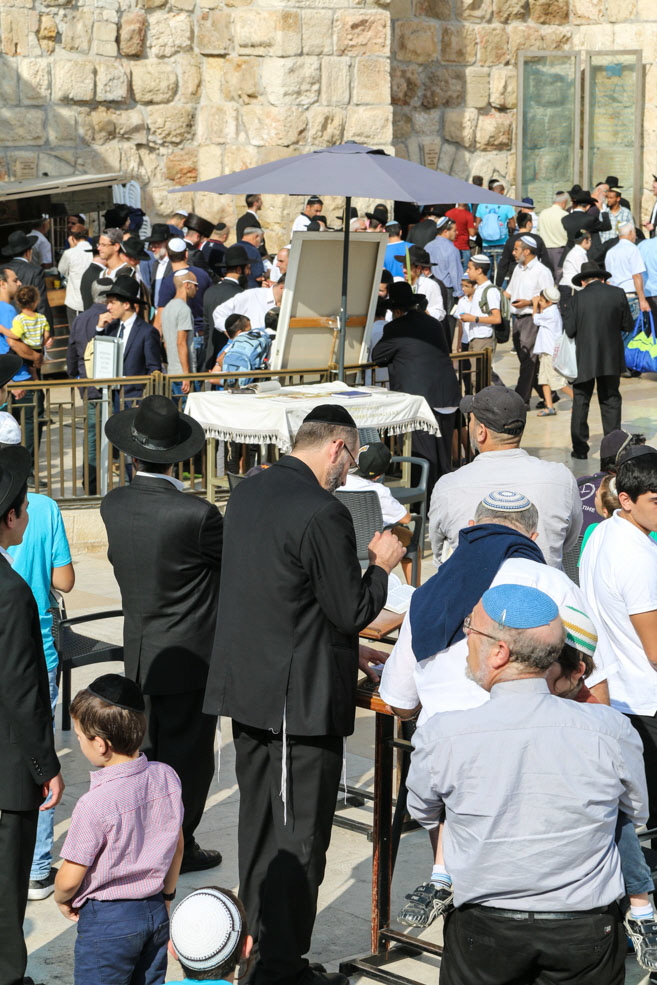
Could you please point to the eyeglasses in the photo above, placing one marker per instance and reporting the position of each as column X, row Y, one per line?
column 469, row 628
column 354, row 467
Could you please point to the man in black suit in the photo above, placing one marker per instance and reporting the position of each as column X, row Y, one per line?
column 579, row 219
column 19, row 249
column 595, row 318
column 142, row 353
column 415, row 350
column 165, row 548
column 250, row 218
column 238, row 268
column 426, row 229
column 29, row 768
column 284, row 667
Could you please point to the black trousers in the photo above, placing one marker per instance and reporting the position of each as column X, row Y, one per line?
column 609, row 399
column 179, row 734
column 17, row 839
column 281, row 865
column 646, row 726
column 488, row 949
column 524, row 337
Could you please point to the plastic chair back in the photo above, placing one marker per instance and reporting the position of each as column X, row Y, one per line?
column 365, row 509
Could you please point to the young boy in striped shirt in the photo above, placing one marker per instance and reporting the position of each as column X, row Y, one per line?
column 124, row 846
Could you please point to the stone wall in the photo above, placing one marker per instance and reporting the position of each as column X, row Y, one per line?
column 174, row 91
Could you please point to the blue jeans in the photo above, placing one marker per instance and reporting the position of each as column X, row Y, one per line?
column 122, row 942
column 465, row 256
column 42, row 858
column 635, row 869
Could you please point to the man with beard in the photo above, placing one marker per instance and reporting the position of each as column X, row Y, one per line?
column 286, row 675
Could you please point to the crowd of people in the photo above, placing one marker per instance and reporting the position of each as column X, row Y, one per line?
column 535, row 754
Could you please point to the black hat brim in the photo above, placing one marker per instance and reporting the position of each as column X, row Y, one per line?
column 119, row 431
column 588, row 274
column 16, row 463
column 10, row 363
column 122, row 296
column 16, row 251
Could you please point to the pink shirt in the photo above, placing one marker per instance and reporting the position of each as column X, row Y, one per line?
column 126, row 830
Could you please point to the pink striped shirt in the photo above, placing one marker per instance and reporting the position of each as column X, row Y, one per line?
column 126, row 830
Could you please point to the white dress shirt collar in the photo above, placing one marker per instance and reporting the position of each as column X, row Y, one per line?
column 159, row 475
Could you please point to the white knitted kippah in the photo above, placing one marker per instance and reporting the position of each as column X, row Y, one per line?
column 10, row 430
column 205, row 929
column 506, row 500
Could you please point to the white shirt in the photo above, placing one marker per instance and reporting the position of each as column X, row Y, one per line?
column 618, row 574
column 550, row 329
column 301, row 223
column 180, row 486
column 622, row 261
column 493, row 300
column 550, row 486
column 381, row 372
column 254, row 303
column 572, row 265
column 528, row 281
column 392, row 510
column 6, row 555
column 72, row 265
column 433, row 294
column 42, row 250
column 439, row 683
column 551, row 228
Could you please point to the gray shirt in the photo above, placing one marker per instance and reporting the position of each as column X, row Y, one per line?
column 550, row 486
column 530, row 786
column 177, row 317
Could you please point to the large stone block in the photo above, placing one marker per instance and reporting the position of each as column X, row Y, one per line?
column 440, row 9
column 283, row 126
column 214, row 32
column 623, row 10
column 276, row 33
column 18, row 28
column 238, row 82
column 74, row 80
column 494, row 132
column 190, row 79
column 325, row 126
column 239, row 157
column 35, row 81
column 504, row 88
column 210, row 162
column 47, row 33
column 181, row 167
column 131, row 125
column 476, row 11
column 62, row 126
column 404, row 84
column 153, row 4
column 317, row 32
column 369, row 124
column 403, row 123
column 169, row 127
column 154, row 81
column 77, row 31
column 132, row 34
column 493, row 45
column 586, row 11
column 104, row 125
column 169, row 34
column 443, row 87
column 361, row 32
column 459, row 126
column 291, row 81
column 23, row 129
column 336, row 81
column 104, row 31
column 416, row 41
column 506, row 11
column 112, row 82
column 458, row 44
column 9, row 85
column 476, row 87
column 217, row 124
column 549, row 11
column 372, row 82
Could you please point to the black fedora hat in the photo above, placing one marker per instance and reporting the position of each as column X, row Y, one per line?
column 155, row 431
column 10, row 363
column 15, row 467
column 613, row 181
column 401, row 295
column 418, row 257
column 236, row 256
column 18, row 243
column 134, row 249
column 160, row 233
column 583, row 198
column 125, row 288
column 199, row 225
column 590, row 269
column 378, row 215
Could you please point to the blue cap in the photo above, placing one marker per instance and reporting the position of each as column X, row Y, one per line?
column 528, row 201
column 506, row 500
column 519, row 607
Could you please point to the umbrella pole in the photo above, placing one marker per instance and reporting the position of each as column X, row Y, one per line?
column 345, row 277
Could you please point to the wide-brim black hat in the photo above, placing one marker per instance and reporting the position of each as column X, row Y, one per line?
column 134, row 249
column 125, row 288
column 155, row 431
column 160, row 233
column 401, row 295
column 18, row 243
column 199, row 225
column 590, row 269
column 15, row 467
column 417, row 255
column 613, row 181
column 236, row 256
column 583, row 198
column 9, row 366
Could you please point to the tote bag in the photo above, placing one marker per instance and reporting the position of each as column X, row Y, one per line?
column 565, row 358
column 641, row 350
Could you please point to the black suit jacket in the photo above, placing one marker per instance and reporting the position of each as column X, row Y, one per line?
column 213, row 297
column 165, row 548
column 291, row 605
column 416, row 353
column 93, row 273
column 27, row 748
column 422, row 232
column 142, row 354
column 595, row 318
column 30, row 273
column 595, row 224
column 246, row 220
column 83, row 330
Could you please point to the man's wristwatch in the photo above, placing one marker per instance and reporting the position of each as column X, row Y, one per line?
column 476, row 319
column 169, row 897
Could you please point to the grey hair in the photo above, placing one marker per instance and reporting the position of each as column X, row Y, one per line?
column 115, row 236
column 533, row 648
column 524, row 520
column 625, row 228
column 252, row 230
column 315, row 433
column 562, row 197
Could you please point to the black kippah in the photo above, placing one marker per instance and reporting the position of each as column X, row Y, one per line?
column 119, row 691
column 635, row 451
column 330, row 414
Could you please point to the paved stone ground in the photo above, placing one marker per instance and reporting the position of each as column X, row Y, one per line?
column 342, row 927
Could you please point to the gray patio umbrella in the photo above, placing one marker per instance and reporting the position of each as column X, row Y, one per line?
column 353, row 171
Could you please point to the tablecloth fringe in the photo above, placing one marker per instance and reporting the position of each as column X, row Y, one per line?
column 275, row 438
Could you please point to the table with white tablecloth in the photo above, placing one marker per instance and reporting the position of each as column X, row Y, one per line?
column 274, row 418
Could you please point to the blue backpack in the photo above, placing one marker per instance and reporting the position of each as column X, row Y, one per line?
column 248, row 350
column 491, row 228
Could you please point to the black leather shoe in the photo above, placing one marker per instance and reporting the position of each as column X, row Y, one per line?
column 196, row 858
column 318, row 975
column 579, row 454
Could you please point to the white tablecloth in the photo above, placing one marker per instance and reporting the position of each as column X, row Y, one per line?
column 274, row 418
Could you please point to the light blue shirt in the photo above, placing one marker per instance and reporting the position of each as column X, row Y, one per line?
column 44, row 547
column 648, row 251
column 530, row 786
column 446, row 263
column 7, row 315
column 395, row 250
column 505, row 212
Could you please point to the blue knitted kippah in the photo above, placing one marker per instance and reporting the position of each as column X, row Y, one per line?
column 505, row 499
column 519, row 607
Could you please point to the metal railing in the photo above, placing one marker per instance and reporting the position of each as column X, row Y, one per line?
column 61, row 421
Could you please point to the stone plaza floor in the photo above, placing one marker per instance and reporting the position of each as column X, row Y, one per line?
column 343, row 922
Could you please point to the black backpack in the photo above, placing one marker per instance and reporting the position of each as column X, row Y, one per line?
column 503, row 330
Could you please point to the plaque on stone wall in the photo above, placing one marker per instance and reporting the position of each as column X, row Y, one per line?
column 613, row 111
column 548, row 124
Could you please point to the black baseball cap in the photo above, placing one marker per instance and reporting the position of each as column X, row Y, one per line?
column 498, row 408
column 373, row 459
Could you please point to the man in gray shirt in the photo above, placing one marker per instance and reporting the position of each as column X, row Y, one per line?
column 178, row 330
column 530, row 787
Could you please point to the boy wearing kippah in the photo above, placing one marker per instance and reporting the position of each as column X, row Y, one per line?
column 124, row 846
column 209, row 936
